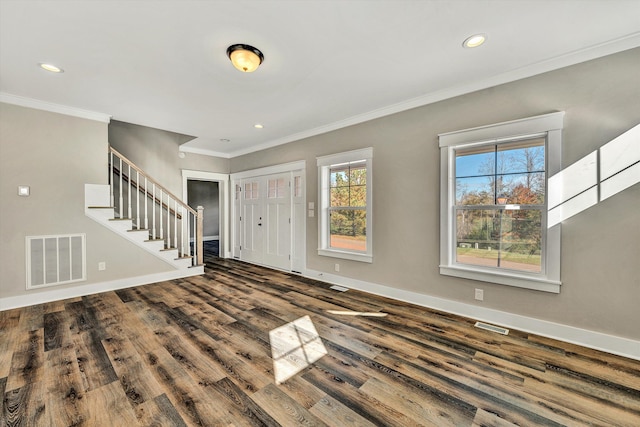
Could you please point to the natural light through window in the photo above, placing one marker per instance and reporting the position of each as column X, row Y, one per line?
column 577, row 187
column 357, row 313
column 493, row 203
column 348, row 206
column 500, row 191
column 294, row 346
column 345, row 205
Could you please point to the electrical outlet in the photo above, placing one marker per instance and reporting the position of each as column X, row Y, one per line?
column 337, row 267
column 102, row 266
column 479, row 294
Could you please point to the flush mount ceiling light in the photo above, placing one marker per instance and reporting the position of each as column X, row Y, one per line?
column 258, row 126
column 474, row 40
column 50, row 67
column 244, row 57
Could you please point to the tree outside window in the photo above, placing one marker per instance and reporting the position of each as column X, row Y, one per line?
column 348, row 201
column 500, row 192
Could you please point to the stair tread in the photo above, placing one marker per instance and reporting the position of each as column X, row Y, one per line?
column 154, row 240
column 169, row 249
column 120, row 219
column 100, row 207
column 138, row 229
column 185, row 257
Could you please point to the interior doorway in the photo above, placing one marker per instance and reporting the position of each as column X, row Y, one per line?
column 214, row 189
column 207, row 195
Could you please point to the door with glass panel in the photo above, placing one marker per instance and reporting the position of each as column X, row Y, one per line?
column 277, row 221
column 252, row 222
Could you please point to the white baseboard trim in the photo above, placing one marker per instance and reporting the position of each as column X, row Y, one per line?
column 596, row 340
column 9, row 303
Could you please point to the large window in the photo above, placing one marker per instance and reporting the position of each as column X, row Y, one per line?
column 345, row 205
column 493, row 203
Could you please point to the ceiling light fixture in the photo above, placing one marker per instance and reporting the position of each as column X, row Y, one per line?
column 474, row 40
column 258, row 126
column 244, row 57
column 51, row 68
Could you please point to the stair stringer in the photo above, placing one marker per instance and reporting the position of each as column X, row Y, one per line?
column 97, row 206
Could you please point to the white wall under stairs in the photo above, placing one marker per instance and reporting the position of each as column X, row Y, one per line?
column 98, row 207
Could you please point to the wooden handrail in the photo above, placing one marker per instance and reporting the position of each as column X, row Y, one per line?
column 142, row 189
column 134, row 167
column 177, row 222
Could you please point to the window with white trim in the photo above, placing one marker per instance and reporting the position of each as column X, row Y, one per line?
column 345, row 220
column 494, row 205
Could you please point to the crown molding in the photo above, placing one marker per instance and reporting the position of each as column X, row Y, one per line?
column 630, row 41
column 22, row 101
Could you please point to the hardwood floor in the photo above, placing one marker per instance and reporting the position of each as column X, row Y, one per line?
column 244, row 345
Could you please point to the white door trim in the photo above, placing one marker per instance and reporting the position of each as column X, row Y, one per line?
column 223, row 202
column 290, row 168
column 269, row 170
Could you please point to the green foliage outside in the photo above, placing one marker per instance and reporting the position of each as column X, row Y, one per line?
column 349, row 192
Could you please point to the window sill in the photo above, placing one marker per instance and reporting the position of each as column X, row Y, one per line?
column 520, row 281
column 346, row 255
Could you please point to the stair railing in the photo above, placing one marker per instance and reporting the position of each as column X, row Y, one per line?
column 150, row 206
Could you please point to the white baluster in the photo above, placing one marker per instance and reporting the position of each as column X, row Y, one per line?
column 112, row 200
column 139, row 222
column 153, row 213
column 120, row 188
column 129, row 215
column 146, row 210
column 175, row 224
column 187, row 231
column 195, row 246
column 160, row 212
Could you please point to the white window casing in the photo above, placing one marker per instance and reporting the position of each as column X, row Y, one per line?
column 549, row 126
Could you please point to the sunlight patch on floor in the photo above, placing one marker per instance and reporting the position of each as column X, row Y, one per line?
column 294, row 346
column 358, row 313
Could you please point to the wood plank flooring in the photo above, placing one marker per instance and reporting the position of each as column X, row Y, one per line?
column 244, row 345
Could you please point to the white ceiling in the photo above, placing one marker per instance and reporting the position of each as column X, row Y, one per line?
column 328, row 64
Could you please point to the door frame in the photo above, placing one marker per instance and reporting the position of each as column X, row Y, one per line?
column 237, row 177
column 223, row 205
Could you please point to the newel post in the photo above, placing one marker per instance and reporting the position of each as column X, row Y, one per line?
column 199, row 241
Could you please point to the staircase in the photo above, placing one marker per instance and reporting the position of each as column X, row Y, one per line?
column 142, row 211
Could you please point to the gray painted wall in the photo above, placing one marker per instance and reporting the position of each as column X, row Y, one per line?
column 155, row 151
column 205, row 194
column 600, row 253
column 57, row 155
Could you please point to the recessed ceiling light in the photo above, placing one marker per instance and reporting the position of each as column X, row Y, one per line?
column 225, row 140
column 258, row 126
column 475, row 40
column 51, row 68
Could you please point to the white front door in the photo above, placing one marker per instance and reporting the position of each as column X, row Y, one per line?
column 277, row 221
column 251, row 219
column 270, row 217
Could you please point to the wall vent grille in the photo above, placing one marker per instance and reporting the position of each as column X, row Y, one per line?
column 339, row 288
column 492, row 328
column 55, row 260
